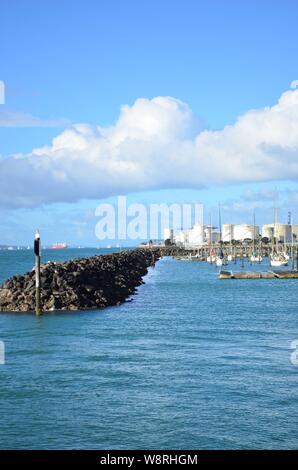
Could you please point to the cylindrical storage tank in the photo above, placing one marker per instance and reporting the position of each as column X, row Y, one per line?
column 214, row 235
column 227, row 232
column 168, row 234
column 267, row 231
column 196, row 235
column 295, row 231
column 243, row 231
column 181, row 238
column 282, row 232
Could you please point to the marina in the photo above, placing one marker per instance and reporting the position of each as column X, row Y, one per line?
column 226, row 243
column 241, row 253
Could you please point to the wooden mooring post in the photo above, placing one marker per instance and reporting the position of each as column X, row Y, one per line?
column 37, row 252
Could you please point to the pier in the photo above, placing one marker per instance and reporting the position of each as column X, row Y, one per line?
column 276, row 274
column 238, row 250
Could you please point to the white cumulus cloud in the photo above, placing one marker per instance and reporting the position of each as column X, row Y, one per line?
column 155, row 144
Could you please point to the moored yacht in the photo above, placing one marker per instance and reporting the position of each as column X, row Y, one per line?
column 277, row 260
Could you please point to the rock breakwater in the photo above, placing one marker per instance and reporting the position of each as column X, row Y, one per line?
column 81, row 284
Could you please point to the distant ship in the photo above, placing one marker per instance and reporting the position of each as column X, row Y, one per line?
column 58, row 246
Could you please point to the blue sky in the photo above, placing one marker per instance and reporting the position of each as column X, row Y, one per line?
column 67, row 62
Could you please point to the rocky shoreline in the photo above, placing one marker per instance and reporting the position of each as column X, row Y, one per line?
column 81, row 284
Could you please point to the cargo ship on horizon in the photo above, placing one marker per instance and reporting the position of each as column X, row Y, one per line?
column 58, row 246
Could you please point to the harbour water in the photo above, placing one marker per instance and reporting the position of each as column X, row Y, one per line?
column 191, row 363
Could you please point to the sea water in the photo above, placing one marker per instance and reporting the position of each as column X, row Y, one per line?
column 193, row 362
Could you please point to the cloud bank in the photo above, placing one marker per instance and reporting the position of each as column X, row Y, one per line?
column 155, row 144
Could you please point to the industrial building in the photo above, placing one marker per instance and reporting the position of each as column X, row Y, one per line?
column 168, row 234
column 215, row 236
column 281, row 232
column 199, row 234
column 295, row 231
column 196, row 235
column 239, row 232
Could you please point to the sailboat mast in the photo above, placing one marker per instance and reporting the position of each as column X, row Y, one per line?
column 275, row 221
column 219, row 222
column 254, row 234
column 292, row 238
column 210, row 233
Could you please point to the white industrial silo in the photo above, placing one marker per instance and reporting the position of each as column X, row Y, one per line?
column 168, row 234
column 282, row 232
column 196, row 235
column 227, row 232
column 243, row 231
column 268, row 231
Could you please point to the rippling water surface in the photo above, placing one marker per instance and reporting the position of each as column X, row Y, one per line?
column 191, row 363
